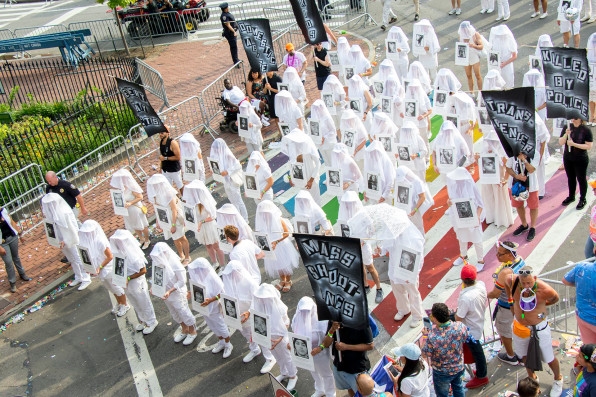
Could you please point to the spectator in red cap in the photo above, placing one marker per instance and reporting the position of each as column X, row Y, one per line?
column 295, row 59
column 470, row 311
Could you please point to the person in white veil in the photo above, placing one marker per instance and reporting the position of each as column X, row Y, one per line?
column 190, row 148
column 462, row 106
column 343, row 54
column 198, row 195
column 327, row 129
column 591, row 47
column 300, row 148
column 239, row 284
column 124, row 244
column 446, row 81
column 493, row 81
column 542, row 138
column 258, row 166
column 349, row 205
column 306, row 323
column 395, row 90
column 295, row 86
column 58, row 212
column 386, row 70
column 161, row 192
column 254, row 142
column 354, row 135
column 268, row 220
column 419, row 200
column 378, row 162
column 136, row 220
column 417, row 71
column 92, row 237
column 358, row 89
column 227, row 214
column 288, row 111
column 403, row 48
column 350, row 172
column 334, row 86
column 176, row 293
column 544, row 41
column 201, row 272
column 497, row 206
column 362, row 66
column 383, row 126
column 416, row 92
column 267, row 300
column 231, row 170
column 451, row 148
column 502, row 41
column 461, row 186
column 405, row 289
column 427, row 54
column 409, row 137
column 307, row 208
column 533, row 78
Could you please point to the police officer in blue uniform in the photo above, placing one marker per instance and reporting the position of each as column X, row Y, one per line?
column 230, row 27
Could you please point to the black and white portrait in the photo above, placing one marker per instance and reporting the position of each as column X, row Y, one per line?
column 222, row 236
column 119, row 266
column 243, row 123
column 386, row 141
column 189, row 214
column 158, row 276
column 349, row 139
column 162, row 215
column 462, row 51
column 285, row 129
column 85, row 258
column 535, row 62
column 483, row 117
column 118, row 200
column 355, row 105
column 372, row 182
column 440, row 99
column 403, row 194
column 263, row 243
column 215, row 167
column 198, row 295
column 391, row 47
column 297, row 172
column 50, row 230
column 302, row 227
column 189, row 166
column 328, row 99
column 403, row 153
column 453, row 119
column 300, row 348
column 378, row 86
column 260, row 325
column 494, row 60
column 349, row 72
column 411, row 109
column 446, row 156
column 386, row 105
column 230, row 308
column 333, row 57
column 251, row 183
column 489, row 165
column 345, row 230
column 334, row 178
column 407, row 260
column 419, row 40
column 314, row 128
column 283, row 87
column 464, row 209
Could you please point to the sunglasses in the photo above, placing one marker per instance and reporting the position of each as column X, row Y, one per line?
column 525, row 272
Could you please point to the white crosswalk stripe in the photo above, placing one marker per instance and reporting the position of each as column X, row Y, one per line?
column 14, row 12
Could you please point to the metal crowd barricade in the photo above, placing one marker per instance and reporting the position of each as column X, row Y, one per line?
column 291, row 34
column 345, row 12
column 209, row 97
column 21, row 192
column 104, row 33
column 279, row 18
column 183, row 117
column 561, row 315
column 153, row 82
column 145, row 26
column 6, row 34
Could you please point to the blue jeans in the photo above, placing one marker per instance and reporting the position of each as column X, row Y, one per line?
column 443, row 381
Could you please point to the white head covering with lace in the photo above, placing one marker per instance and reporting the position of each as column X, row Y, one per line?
column 189, row 146
column 320, row 113
column 228, row 215
column 222, row 153
column 238, row 282
column 446, row 81
column 343, row 50
column 200, row 271
column 124, row 243
column 418, row 71
column 493, row 81
column 268, row 300
column 57, row 211
column 197, row 193
column 306, row 321
column 349, row 205
column 92, row 236
column 123, row 180
column 382, row 125
column 160, row 190
column 163, row 255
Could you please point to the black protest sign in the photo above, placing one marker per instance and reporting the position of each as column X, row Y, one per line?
column 567, row 80
column 334, row 268
column 258, row 44
column 309, row 20
column 512, row 113
column 139, row 104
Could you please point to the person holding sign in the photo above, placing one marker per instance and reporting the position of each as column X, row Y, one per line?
column 295, row 86
column 254, row 142
column 306, row 323
column 577, row 139
column 468, row 34
column 307, row 208
column 161, row 192
column 58, row 212
column 430, row 46
column 288, row 111
column 362, row 66
column 446, row 81
column 358, row 90
column 502, row 41
column 9, row 250
column 392, row 99
column 268, row 220
column 417, row 71
column 231, row 170
column 239, row 284
column 258, row 166
column 327, row 129
column 123, row 242
column 382, row 125
column 420, row 200
column 461, row 186
column 136, row 221
column 201, row 272
column 334, row 87
column 175, row 297
column 92, row 237
column 415, row 92
column 449, row 140
column 197, row 194
column 403, row 49
column 376, row 160
column 351, row 174
column 351, row 124
column 190, row 148
column 267, row 300
column 409, row 137
column 465, row 109
column 300, row 148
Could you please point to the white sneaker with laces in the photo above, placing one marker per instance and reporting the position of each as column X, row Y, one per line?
column 459, row 261
column 415, row 323
column 506, row 17
column 292, row 383
column 281, row 378
column 544, row 15
column 458, row 11
column 219, row 347
column 115, row 309
column 123, row 310
column 399, row 316
column 179, row 338
column 140, row 327
column 74, row 283
column 227, row 350
column 452, row 11
column 189, row 339
column 268, row 366
column 499, row 19
column 585, row 18
column 248, row 358
column 84, row 285
column 265, row 123
column 149, row 329
column 483, row 11
column 534, row 14
column 490, row 10
column 557, row 388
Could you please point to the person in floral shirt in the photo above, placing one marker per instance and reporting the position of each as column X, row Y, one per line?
column 444, row 347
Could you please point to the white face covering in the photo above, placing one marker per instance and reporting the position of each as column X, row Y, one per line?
column 189, row 146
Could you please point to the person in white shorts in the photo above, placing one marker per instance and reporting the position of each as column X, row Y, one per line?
column 567, row 27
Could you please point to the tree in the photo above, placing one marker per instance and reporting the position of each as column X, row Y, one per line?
column 114, row 4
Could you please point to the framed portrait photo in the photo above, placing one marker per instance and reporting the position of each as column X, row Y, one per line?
column 403, row 196
column 418, row 41
column 334, row 181
column 50, row 230
column 327, row 98
column 404, row 155
column 158, row 280
column 391, row 47
column 378, row 87
column 283, row 87
column 223, row 241
column 163, row 215
column 231, row 311
column 315, row 132
column 386, row 105
column 535, row 62
column 243, row 130
column 453, row 118
column 387, row 142
column 215, row 169
column 373, row 188
column 300, row 348
column 117, row 196
column 356, row 106
column 411, row 110
column 119, row 270
column 297, row 173
column 190, row 217
column 190, row 168
column 284, row 128
column 88, row 263
column 302, row 225
column 261, row 328
column 465, row 215
column 264, row 243
column 445, row 159
column 494, row 60
column 462, row 54
column 489, row 169
column 197, row 296
column 347, row 138
column 409, row 264
column 483, row 119
column 334, row 59
column 344, row 229
column 440, row 102
column 250, row 186
column 348, row 72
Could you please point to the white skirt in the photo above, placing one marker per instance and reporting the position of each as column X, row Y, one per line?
column 208, row 234
column 286, row 259
column 135, row 220
column 497, row 205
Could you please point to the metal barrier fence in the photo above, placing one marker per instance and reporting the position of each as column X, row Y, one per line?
column 279, row 18
column 104, row 34
column 209, row 97
column 345, row 12
column 145, row 26
column 183, row 117
column 6, row 34
column 562, row 314
column 291, row 34
column 152, row 81
column 19, row 190
column 37, row 30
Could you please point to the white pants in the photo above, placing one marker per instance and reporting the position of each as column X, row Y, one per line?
column 387, row 11
column 253, row 147
column 487, row 4
column 107, row 282
column 267, row 196
column 463, row 249
column 72, row 254
column 215, row 322
column 315, row 191
column 233, row 193
column 408, row 299
column 541, row 175
column 284, row 357
column 508, row 74
column 178, row 307
column 137, row 293
column 503, row 8
column 246, row 331
column 323, row 375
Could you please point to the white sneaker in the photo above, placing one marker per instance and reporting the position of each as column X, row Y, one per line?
column 84, row 285
column 317, row 394
column 179, row 338
column 415, row 323
column 228, row 350
column 74, row 283
column 115, row 309
column 123, row 310
column 265, row 123
column 557, row 388
column 219, row 347
column 399, row 316
column 498, row 19
column 458, row 11
column 459, row 261
column 483, row 11
column 535, row 14
column 506, row 18
column 544, row 15
column 248, row 358
column 479, row 267
column 189, row 339
column 585, row 18
column 591, row 20
column 292, row 383
column 490, row 10
column 268, row 366
column 150, row 328
column 453, row 10
column 281, row 378
column 140, row 327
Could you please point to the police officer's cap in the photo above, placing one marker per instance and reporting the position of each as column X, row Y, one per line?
column 223, row 6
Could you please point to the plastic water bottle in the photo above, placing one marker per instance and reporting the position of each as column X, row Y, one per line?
column 75, row 170
column 99, row 158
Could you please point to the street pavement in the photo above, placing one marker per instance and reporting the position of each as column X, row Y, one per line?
column 73, row 345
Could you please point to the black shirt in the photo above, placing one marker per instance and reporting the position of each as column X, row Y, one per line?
column 351, row 362
column 166, row 151
column 320, row 70
column 66, row 190
column 227, row 17
column 581, row 135
column 5, row 229
column 274, row 82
